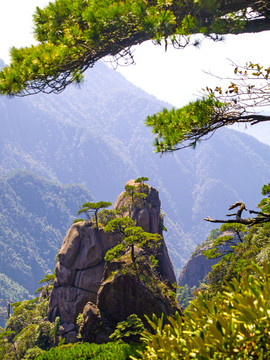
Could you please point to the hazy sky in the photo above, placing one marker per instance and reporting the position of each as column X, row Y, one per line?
column 175, row 76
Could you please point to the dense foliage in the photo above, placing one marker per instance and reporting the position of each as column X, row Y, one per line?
column 176, row 129
column 132, row 236
column 237, row 245
column 179, row 128
column 255, row 247
column 28, row 335
column 234, row 326
column 86, row 351
column 27, row 332
column 73, row 35
column 128, row 331
column 185, row 294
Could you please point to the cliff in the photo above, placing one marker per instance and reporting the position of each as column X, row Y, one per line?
column 195, row 270
column 148, row 217
column 110, row 291
column 95, row 133
column 198, row 266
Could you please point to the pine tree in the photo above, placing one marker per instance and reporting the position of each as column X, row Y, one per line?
column 73, row 35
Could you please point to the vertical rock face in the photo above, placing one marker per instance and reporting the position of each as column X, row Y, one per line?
column 195, row 270
column 147, row 215
column 147, row 212
column 80, row 279
column 198, row 266
column 79, row 270
column 121, row 294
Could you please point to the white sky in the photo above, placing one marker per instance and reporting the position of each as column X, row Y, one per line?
column 175, row 76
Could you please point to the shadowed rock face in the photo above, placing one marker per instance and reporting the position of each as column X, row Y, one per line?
column 125, row 294
column 81, row 279
column 198, row 266
column 195, row 270
column 118, row 297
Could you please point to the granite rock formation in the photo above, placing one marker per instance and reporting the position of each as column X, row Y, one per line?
column 84, row 283
column 148, row 217
column 195, row 270
column 79, row 270
column 198, row 266
column 120, row 295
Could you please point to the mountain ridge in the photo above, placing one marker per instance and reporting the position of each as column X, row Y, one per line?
column 35, row 214
column 95, row 136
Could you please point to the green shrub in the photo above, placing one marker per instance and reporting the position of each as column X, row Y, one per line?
column 252, row 249
column 28, row 333
column 109, row 351
column 185, row 294
column 34, row 336
column 7, row 350
column 26, row 339
column 22, row 315
column 115, row 252
column 235, row 325
column 105, row 216
column 33, row 353
column 129, row 331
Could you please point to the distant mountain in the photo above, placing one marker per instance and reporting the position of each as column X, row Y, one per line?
column 35, row 214
column 95, row 136
column 260, row 131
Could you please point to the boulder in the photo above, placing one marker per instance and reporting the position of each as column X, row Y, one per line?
column 147, row 213
column 126, row 294
column 68, row 302
column 122, row 294
column 81, row 248
column 95, row 327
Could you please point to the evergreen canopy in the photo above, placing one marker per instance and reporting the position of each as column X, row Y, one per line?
column 73, row 34
column 249, row 89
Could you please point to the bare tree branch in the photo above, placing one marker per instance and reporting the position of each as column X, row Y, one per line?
column 260, row 219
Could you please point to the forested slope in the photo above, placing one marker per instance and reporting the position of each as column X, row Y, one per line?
column 35, row 214
column 94, row 135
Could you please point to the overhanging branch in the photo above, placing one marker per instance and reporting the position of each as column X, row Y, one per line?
column 260, row 219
